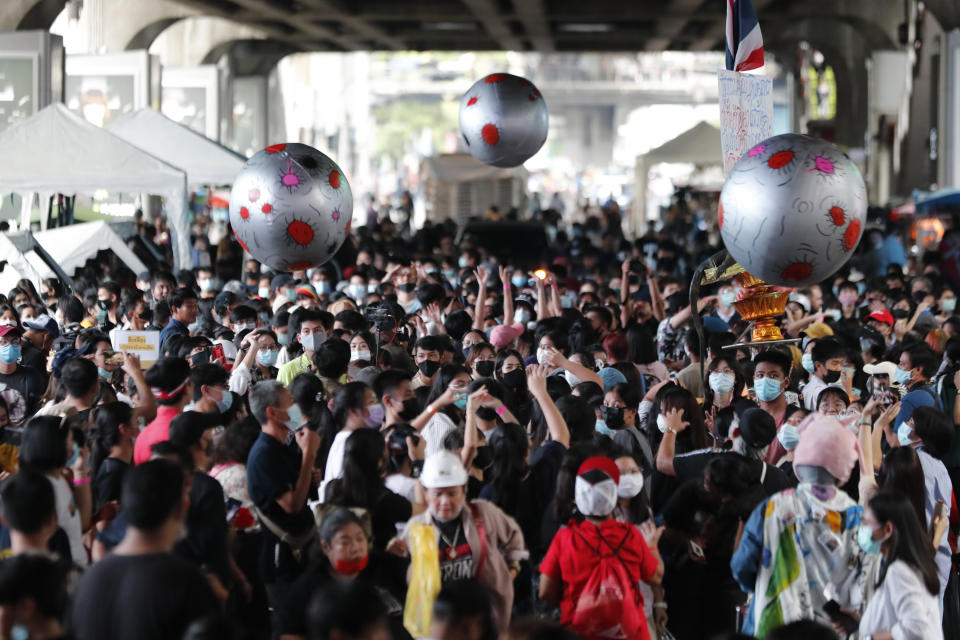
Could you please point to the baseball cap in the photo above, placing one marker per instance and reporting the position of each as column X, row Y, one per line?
column 880, row 369
column 800, row 299
column 44, row 323
column 10, row 330
column 443, row 469
column 881, row 315
column 280, row 280
column 595, row 490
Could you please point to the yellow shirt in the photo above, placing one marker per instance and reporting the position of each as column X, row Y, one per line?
column 292, row 369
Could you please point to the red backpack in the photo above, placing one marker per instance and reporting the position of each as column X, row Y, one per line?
column 609, row 604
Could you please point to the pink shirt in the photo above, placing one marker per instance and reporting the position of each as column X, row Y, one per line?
column 157, row 431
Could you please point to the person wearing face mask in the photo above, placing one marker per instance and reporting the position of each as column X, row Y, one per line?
column 725, row 310
column 426, row 356
column 827, row 356
column 917, row 366
column 789, row 437
column 404, row 277
column 475, row 539
column 768, row 562
column 211, row 393
column 481, row 360
column 183, row 312
column 39, row 335
column 155, row 505
column 24, row 385
column 108, row 302
column 169, row 383
column 256, row 361
column 243, row 318
column 618, row 420
column 577, row 548
column 308, row 296
column 206, row 283
column 311, row 334
column 112, row 452
column 724, row 383
column 279, row 477
column 399, row 402
column 771, row 378
column 905, row 603
column 355, row 406
column 345, row 556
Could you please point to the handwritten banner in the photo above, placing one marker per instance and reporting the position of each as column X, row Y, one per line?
column 746, row 113
column 145, row 344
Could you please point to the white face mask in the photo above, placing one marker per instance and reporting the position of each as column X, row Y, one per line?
column 360, row 355
column 630, row 485
column 662, row 423
column 312, row 341
column 572, row 380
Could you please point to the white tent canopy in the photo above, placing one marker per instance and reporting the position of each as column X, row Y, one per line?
column 73, row 245
column 204, row 161
column 699, row 145
column 17, row 266
column 55, row 151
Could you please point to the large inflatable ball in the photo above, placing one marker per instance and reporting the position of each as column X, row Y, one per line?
column 792, row 210
column 503, row 119
column 291, row 207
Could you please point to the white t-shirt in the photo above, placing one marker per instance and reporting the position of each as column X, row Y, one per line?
column 402, row 485
column 436, row 430
column 68, row 517
column 334, row 468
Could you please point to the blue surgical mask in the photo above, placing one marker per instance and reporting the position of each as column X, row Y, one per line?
column 194, row 327
column 948, row 305
column 518, row 281
column 267, row 357
column 566, row 301
column 263, row 292
column 103, row 373
column 291, row 294
column 767, row 389
column 357, row 291
column 462, row 262
column 9, row 354
column 521, row 316
column 904, row 435
column 789, row 437
column 76, row 453
column 721, row 382
column 727, row 298
column 450, row 274
column 323, row 287
column 901, row 376
column 807, row 362
column 283, row 339
column 294, row 417
column 460, row 400
column 866, row 541
column 225, row 401
column 601, row 427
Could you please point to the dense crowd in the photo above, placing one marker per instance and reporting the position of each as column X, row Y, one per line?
column 424, row 439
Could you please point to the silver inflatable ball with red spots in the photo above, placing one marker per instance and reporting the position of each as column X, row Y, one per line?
column 792, row 210
column 503, row 119
column 291, row 207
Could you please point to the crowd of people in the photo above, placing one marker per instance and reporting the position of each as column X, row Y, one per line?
column 429, row 440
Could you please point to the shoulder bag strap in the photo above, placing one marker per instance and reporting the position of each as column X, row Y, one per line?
column 295, row 543
column 763, row 474
column 482, row 532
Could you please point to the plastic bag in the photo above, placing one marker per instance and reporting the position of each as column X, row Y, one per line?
column 424, row 580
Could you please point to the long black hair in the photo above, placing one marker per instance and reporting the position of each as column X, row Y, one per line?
column 445, row 376
column 307, row 392
column 908, row 542
column 109, row 417
column 509, row 447
column 901, row 471
column 350, row 397
column 362, row 482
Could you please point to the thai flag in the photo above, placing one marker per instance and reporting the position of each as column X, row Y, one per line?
column 744, row 40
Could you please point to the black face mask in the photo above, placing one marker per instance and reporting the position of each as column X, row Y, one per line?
column 411, row 409
column 831, row 376
column 407, row 288
column 486, row 413
column 428, row 368
column 613, row 416
column 484, row 368
column 103, row 304
column 514, row 379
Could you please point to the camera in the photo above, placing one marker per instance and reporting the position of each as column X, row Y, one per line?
column 380, row 317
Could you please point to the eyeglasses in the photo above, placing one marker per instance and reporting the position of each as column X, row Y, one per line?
column 13, row 342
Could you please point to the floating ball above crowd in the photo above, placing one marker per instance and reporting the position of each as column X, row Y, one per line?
column 291, row 207
column 792, row 210
column 503, row 120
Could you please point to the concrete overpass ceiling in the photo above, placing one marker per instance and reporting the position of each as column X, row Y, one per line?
column 41, row 15
column 251, row 57
column 143, row 38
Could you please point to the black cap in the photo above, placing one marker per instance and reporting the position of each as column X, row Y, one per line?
column 144, row 275
column 281, row 280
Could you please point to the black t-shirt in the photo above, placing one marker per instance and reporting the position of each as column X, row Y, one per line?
column 147, row 597
column 206, row 541
column 456, row 563
column 32, row 357
column 385, row 572
column 22, row 390
column 108, row 482
column 272, row 470
column 692, row 465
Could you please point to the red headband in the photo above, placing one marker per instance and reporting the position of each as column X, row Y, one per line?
column 160, row 394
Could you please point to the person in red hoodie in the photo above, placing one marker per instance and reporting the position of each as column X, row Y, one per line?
column 599, row 551
column 169, row 380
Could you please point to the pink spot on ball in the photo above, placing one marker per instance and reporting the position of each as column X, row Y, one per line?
column 824, row 165
column 335, row 215
column 290, row 180
column 757, row 150
column 253, row 195
column 472, row 101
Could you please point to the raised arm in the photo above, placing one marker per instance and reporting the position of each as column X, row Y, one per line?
column 146, row 404
column 507, row 296
column 481, row 275
column 537, row 384
column 668, row 444
column 656, row 300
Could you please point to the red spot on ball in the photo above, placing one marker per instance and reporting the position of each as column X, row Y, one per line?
column 274, row 148
column 780, row 159
column 719, row 215
column 851, row 235
column 495, row 77
column 244, row 213
column 241, row 243
column 525, row 82
column 266, row 208
column 797, row 271
column 300, row 266
column 300, row 231
column 349, row 222
column 490, row 134
column 335, row 179
column 253, row 195
column 472, row 101
column 839, row 217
